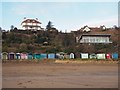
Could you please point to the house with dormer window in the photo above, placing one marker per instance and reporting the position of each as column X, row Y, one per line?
column 31, row 24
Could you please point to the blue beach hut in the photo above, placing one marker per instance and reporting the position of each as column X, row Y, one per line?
column 43, row 56
column 37, row 56
column 30, row 56
column 115, row 56
column 51, row 56
column 92, row 56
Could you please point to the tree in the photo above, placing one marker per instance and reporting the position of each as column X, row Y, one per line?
column 11, row 27
column 15, row 28
column 23, row 47
column 0, row 28
column 68, row 40
column 49, row 25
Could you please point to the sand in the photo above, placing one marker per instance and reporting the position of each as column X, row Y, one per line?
column 60, row 75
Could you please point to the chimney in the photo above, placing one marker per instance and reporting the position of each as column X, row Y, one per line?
column 36, row 18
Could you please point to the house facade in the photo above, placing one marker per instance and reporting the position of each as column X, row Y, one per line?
column 103, row 27
column 86, row 29
column 31, row 24
column 95, row 39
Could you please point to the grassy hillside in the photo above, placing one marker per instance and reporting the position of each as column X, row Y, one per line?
column 53, row 41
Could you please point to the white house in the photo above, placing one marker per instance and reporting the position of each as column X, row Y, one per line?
column 103, row 27
column 100, row 38
column 31, row 24
column 86, row 29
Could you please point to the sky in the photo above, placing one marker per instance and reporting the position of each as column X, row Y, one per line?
column 65, row 16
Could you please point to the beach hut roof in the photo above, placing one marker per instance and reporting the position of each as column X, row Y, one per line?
column 11, row 53
column 24, row 53
column 61, row 53
column 4, row 53
column 92, row 54
column 17, row 53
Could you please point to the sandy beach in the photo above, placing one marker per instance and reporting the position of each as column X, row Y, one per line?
column 60, row 75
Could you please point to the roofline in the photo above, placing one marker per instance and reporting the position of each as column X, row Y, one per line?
column 96, row 35
column 31, row 19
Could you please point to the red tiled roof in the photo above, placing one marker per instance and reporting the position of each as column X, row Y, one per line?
column 31, row 21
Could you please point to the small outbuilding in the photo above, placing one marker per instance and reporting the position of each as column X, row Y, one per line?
column 84, row 55
column 11, row 56
column 37, row 56
column 108, row 56
column 66, row 56
column 4, row 55
column 114, row 55
column 51, row 56
column 72, row 56
column 101, row 56
column 24, row 56
column 17, row 56
column 43, row 56
column 30, row 56
column 92, row 56
column 77, row 55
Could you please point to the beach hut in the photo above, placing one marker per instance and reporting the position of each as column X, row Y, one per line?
column 4, row 55
column 43, row 56
column 30, row 56
column 108, row 56
column 66, row 56
column 57, row 55
column 11, row 56
column 92, row 56
column 37, row 56
column 84, row 55
column 18, row 56
column 24, row 56
column 72, row 56
column 101, row 56
column 114, row 55
column 61, row 55
column 51, row 56
column 77, row 55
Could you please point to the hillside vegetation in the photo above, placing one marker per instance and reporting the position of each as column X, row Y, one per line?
column 52, row 41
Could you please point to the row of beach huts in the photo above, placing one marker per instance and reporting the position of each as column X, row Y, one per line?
column 61, row 55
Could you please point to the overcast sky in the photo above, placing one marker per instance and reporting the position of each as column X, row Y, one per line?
column 64, row 15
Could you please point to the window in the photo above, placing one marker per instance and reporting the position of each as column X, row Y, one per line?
column 107, row 40
column 93, row 39
column 97, row 40
column 90, row 40
column 87, row 40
